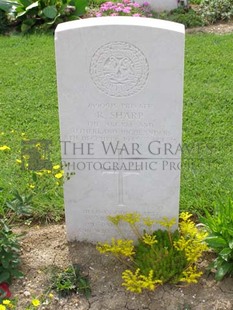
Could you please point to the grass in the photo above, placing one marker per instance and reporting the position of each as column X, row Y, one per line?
column 28, row 105
column 207, row 121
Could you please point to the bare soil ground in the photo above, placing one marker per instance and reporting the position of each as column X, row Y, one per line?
column 219, row 28
column 46, row 247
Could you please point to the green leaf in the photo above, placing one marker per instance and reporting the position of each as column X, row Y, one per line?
column 80, row 6
column 6, row 6
column 4, row 276
column 34, row 177
column 26, row 3
column 222, row 271
column 231, row 244
column 32, row 6
column 216, row 242
column 50, row 12
column 225, row 253
column 16, row 273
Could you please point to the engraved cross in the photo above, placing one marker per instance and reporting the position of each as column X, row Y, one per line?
column 120, row 182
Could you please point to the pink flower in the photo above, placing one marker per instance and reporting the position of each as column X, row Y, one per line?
column 136, row 15
column 136, row 5
column 127, row 9
column 118, row 9
column 98, row 14
column 114, row 14
column 145, row 3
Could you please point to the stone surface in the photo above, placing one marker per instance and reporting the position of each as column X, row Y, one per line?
column 120, row 86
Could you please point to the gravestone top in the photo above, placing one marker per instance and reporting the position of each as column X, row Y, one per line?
column 121, row 21
column 120, row 92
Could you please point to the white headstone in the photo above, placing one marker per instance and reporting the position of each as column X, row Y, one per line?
column 120, row 87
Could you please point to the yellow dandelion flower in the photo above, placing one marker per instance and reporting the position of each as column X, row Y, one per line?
column 59, row 175
column 4, row 148
column 2, row 307
column 31, row 186
column 19, row 161
column 46, row 171
column 39, row 173
column 6, row 302
column 36, row 302
column 56, row 167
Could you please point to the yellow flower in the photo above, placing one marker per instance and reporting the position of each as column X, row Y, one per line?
column 6, row 302
column 2, row 307
column 149, row 239
column 59, row 175
column 56, row 167
column 148, row 221
column 23, row 134
column 35, row 302
column 115, row 219
column 4, row 148
column 31, row 186
column 39, row 173
column 131, row 218
column 185, row 216
column 118, row 247
column 19, row 161
column 190, row 275
column 46, row 171
column 51, row 296
column 136, row 282
column 165, row 222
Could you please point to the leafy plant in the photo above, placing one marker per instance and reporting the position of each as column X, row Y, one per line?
column 44, row 14
column 215, row 10
column 184, row 15
column 71, row 281
column 19, row 207
column 7, row 5
column 220, row 239
column 160, row 256
column 9, row 254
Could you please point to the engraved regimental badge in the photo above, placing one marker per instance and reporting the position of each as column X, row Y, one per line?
column 119, row 69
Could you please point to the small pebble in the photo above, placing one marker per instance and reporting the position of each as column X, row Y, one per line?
column 27, row 293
